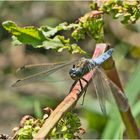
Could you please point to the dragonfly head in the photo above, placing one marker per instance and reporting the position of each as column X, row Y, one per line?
column 75, row 73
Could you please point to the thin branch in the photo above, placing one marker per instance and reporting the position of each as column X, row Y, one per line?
column 69, row 101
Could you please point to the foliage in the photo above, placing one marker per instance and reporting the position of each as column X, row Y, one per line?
column 30, row 128
column 129, row 11
column 42, row 37
column 90, row 24
column 69, row 127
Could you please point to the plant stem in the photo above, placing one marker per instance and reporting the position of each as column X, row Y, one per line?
column 127, row 117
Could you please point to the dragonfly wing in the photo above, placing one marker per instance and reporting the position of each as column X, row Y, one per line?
column 41, row 76
column 27, row 70
column 120, row 97
column 112, row 91
column 101, row 89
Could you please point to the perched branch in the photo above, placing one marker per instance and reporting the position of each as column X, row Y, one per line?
column 69, row 101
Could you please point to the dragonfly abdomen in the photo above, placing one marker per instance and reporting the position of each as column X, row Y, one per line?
column 101, row 59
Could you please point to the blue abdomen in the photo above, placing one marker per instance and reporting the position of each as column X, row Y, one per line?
column 101, row 59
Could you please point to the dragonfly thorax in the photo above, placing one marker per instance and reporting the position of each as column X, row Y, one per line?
column 79, row 70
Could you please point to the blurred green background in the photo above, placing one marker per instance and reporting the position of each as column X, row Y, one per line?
column 31, row 99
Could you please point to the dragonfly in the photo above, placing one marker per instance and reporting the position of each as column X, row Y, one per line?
column 80, row 67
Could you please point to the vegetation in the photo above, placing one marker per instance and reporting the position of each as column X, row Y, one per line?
column 68, row 36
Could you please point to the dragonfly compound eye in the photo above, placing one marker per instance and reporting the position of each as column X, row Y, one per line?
column 75, row 74
column 72, row 72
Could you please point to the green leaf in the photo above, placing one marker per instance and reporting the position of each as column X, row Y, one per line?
column 133, row 88
column 15, row 41
column 118, row 15
column 94, row 6
column 79, row 34
column 37, row 109
column 136, row 108
column 50, row 31
column 43, row 37
column 127, row 10
column 88, row 25
column 59, row 43
column 27, row 35
column 110, row 130
column 54, row 43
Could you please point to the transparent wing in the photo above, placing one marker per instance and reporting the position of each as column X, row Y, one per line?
column 27, row 70
column 120, row 97
column 41, row 76
column 109, row 91
column 102, row 89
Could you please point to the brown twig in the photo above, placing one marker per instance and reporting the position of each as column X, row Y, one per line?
column 69, row 100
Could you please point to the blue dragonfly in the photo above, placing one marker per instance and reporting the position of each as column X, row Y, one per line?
column 80, row 68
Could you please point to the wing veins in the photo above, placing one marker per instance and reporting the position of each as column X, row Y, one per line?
column 100, row 89
column 114, row 92
column 39, row 75
column 24, row 71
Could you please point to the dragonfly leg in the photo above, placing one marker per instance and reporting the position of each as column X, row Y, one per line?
column 73, row 85
column 85, row 90
column 84, row 80
column 81, row 85
column 82, row 90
